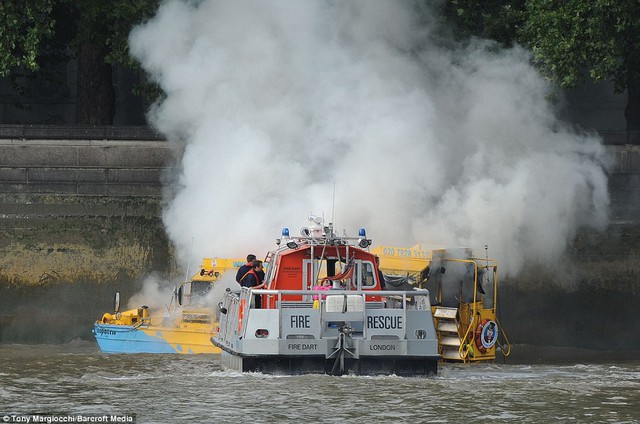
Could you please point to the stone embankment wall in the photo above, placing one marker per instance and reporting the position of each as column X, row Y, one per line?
column 80, row 219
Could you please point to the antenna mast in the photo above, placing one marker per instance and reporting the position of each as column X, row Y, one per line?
column 186, row 277
column 333, row 206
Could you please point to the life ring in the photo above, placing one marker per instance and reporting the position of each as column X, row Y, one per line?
column 486, row 335
column 240, row 314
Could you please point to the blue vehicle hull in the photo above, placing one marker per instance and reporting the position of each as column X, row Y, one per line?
column 115, row 338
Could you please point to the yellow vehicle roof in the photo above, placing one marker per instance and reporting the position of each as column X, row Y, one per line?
column 402, row 260
column 210, row 266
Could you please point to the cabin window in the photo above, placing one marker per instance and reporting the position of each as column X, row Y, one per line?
column 368, row 275
column 200, row 288
column 199, row 292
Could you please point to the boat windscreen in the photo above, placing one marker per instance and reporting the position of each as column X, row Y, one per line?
column 199, row 291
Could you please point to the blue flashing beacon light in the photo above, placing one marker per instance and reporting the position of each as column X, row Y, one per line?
column 362, row 233
column 285, row 232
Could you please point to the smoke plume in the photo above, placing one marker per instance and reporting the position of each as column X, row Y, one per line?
column 155, row 293
column 279, row 102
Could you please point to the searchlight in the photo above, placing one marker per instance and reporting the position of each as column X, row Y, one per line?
column 363, row 241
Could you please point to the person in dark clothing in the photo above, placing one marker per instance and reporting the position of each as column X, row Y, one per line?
column 253, row 279
column 383, row 283
column 246, row 267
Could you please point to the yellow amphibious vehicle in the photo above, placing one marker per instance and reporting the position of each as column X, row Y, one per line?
column 463, row 294
column 184, row 326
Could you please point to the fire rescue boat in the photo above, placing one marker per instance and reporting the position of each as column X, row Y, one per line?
column 185, row 325
column 354, row 327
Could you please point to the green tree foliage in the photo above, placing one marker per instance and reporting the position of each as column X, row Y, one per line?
column 101, row 40
column 24, row 24
column 570, row 39
column 493, row 19
column 95, row 32
column 109, row 23
column 27, row 26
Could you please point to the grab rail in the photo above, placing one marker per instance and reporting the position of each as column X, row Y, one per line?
column 234, row 301
column 506, row 339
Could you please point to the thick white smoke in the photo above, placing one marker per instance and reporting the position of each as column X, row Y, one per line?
column 278, row 101
column 155, row 293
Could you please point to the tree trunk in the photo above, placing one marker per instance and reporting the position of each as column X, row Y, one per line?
column 632, row 110
column 95, row 103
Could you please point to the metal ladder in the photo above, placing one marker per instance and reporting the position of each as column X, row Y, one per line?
column 447, row 327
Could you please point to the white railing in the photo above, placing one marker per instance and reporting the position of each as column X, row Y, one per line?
column 238, row 305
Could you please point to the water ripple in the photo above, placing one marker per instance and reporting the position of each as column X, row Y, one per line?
column 176, row 389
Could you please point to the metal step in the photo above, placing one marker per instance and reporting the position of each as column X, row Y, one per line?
column 448, row 313
column 451, row 355
column 448, row 327
column 450, row 341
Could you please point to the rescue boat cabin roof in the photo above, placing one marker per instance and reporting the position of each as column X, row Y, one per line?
column 343, row 252
column 302, row 268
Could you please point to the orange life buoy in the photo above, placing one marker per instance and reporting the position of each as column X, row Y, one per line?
column 486, row 335
column 240, row 314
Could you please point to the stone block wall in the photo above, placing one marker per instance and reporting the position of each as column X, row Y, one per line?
column 85, row 167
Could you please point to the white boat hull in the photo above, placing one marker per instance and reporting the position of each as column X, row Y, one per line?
column 298, row 338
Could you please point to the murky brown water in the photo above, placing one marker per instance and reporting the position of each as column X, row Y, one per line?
column 77, row 379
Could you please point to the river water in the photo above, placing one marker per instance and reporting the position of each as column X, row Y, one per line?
column 77, row 379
